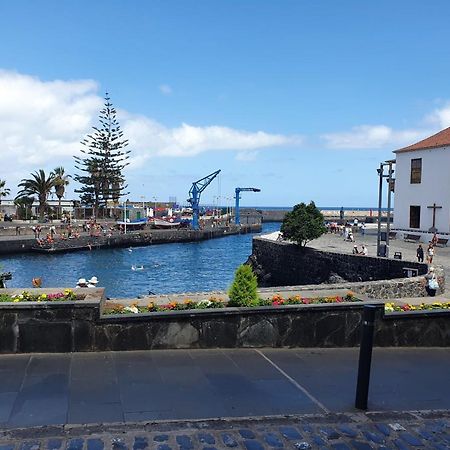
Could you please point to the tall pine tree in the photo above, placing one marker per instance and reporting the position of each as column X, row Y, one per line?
column 104, row 158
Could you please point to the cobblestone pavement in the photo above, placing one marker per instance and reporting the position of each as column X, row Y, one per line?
column 398, row 430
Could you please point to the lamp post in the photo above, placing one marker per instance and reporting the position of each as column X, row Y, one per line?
column 380, row 194
column 154, row 210
column 125, row 216
column 390, row 181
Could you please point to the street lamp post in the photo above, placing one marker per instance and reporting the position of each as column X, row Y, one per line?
column 380, row 194
column 390, row 181
column 154, row 210
column 388, row 224
column 125, row 216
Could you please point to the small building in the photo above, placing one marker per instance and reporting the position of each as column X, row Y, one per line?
column 7, row 207
column 422, row 187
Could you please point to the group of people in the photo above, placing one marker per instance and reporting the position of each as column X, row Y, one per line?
column 429, row 253
column 83, row 283
column 363, row 250
column 96, row 229
column 345, row 229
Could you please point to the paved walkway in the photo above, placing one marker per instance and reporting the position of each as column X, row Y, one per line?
column 336, row 243
column 79, row 388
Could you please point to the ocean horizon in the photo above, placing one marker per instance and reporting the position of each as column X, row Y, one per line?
column 323, row 208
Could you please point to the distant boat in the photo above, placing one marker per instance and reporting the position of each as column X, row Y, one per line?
column 160, row 223
column 137, row 268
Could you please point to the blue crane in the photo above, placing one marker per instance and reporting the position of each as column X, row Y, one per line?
column 194, row 196
column 238, row 190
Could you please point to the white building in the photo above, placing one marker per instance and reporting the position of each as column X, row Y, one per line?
column 422, row 187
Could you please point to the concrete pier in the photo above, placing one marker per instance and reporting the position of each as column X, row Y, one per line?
column 25, row 244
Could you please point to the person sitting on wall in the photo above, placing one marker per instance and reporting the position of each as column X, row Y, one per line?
column 82, row 283
column 355, row 250
column 431, row 282
column 364, row 250
column 92, row 283
column 36, row 282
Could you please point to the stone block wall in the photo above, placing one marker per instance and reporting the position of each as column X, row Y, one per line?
column 283, row 264
column 79, row 326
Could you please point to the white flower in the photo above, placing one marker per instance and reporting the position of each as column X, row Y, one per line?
column 204, row 302
column 132, row 309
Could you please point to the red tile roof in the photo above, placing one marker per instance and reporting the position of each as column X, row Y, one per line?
column 440, row 139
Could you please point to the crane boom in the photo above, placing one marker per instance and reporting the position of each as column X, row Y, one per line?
column 194, row 196
column 238, row 190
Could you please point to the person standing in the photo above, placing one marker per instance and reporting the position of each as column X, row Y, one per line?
column 363, row 229
column 419, row 253
column 430, row 253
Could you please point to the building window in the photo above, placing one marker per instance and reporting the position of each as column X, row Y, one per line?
column 414, row 216
column 416, row 171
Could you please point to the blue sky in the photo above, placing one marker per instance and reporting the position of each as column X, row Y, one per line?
column 301, row 99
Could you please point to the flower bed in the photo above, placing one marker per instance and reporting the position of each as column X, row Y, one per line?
column 212, row 302
column 391, row 307
column 25, row 296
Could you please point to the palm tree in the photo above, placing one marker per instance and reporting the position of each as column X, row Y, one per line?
column 61, row 181
column 3, row 190
column 39, row 185
column 24, row 205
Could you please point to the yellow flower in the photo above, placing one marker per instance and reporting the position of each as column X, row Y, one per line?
column 16, row 299
column 44, row 296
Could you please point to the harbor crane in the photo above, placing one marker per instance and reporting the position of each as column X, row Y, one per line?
column 238, row 190
column 194, row 196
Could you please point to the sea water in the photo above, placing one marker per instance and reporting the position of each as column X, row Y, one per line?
column 166, row 268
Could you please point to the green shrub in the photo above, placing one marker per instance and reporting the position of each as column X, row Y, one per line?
column 243, row 290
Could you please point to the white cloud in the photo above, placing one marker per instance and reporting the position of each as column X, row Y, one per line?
column 440, row 117
column 149, row 138
column 383, row 136
column 165, row 89
column 372, row 136
column 42, row 123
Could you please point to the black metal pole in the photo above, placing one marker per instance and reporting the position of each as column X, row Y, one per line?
column 380, row 193
column 365, row 357
column 388, row 223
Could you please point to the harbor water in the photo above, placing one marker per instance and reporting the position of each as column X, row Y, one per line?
column 166, row 268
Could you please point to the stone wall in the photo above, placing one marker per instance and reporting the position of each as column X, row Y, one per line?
column 49, row 327
column 284, row 264
column 80, row 326
column 381, row 289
